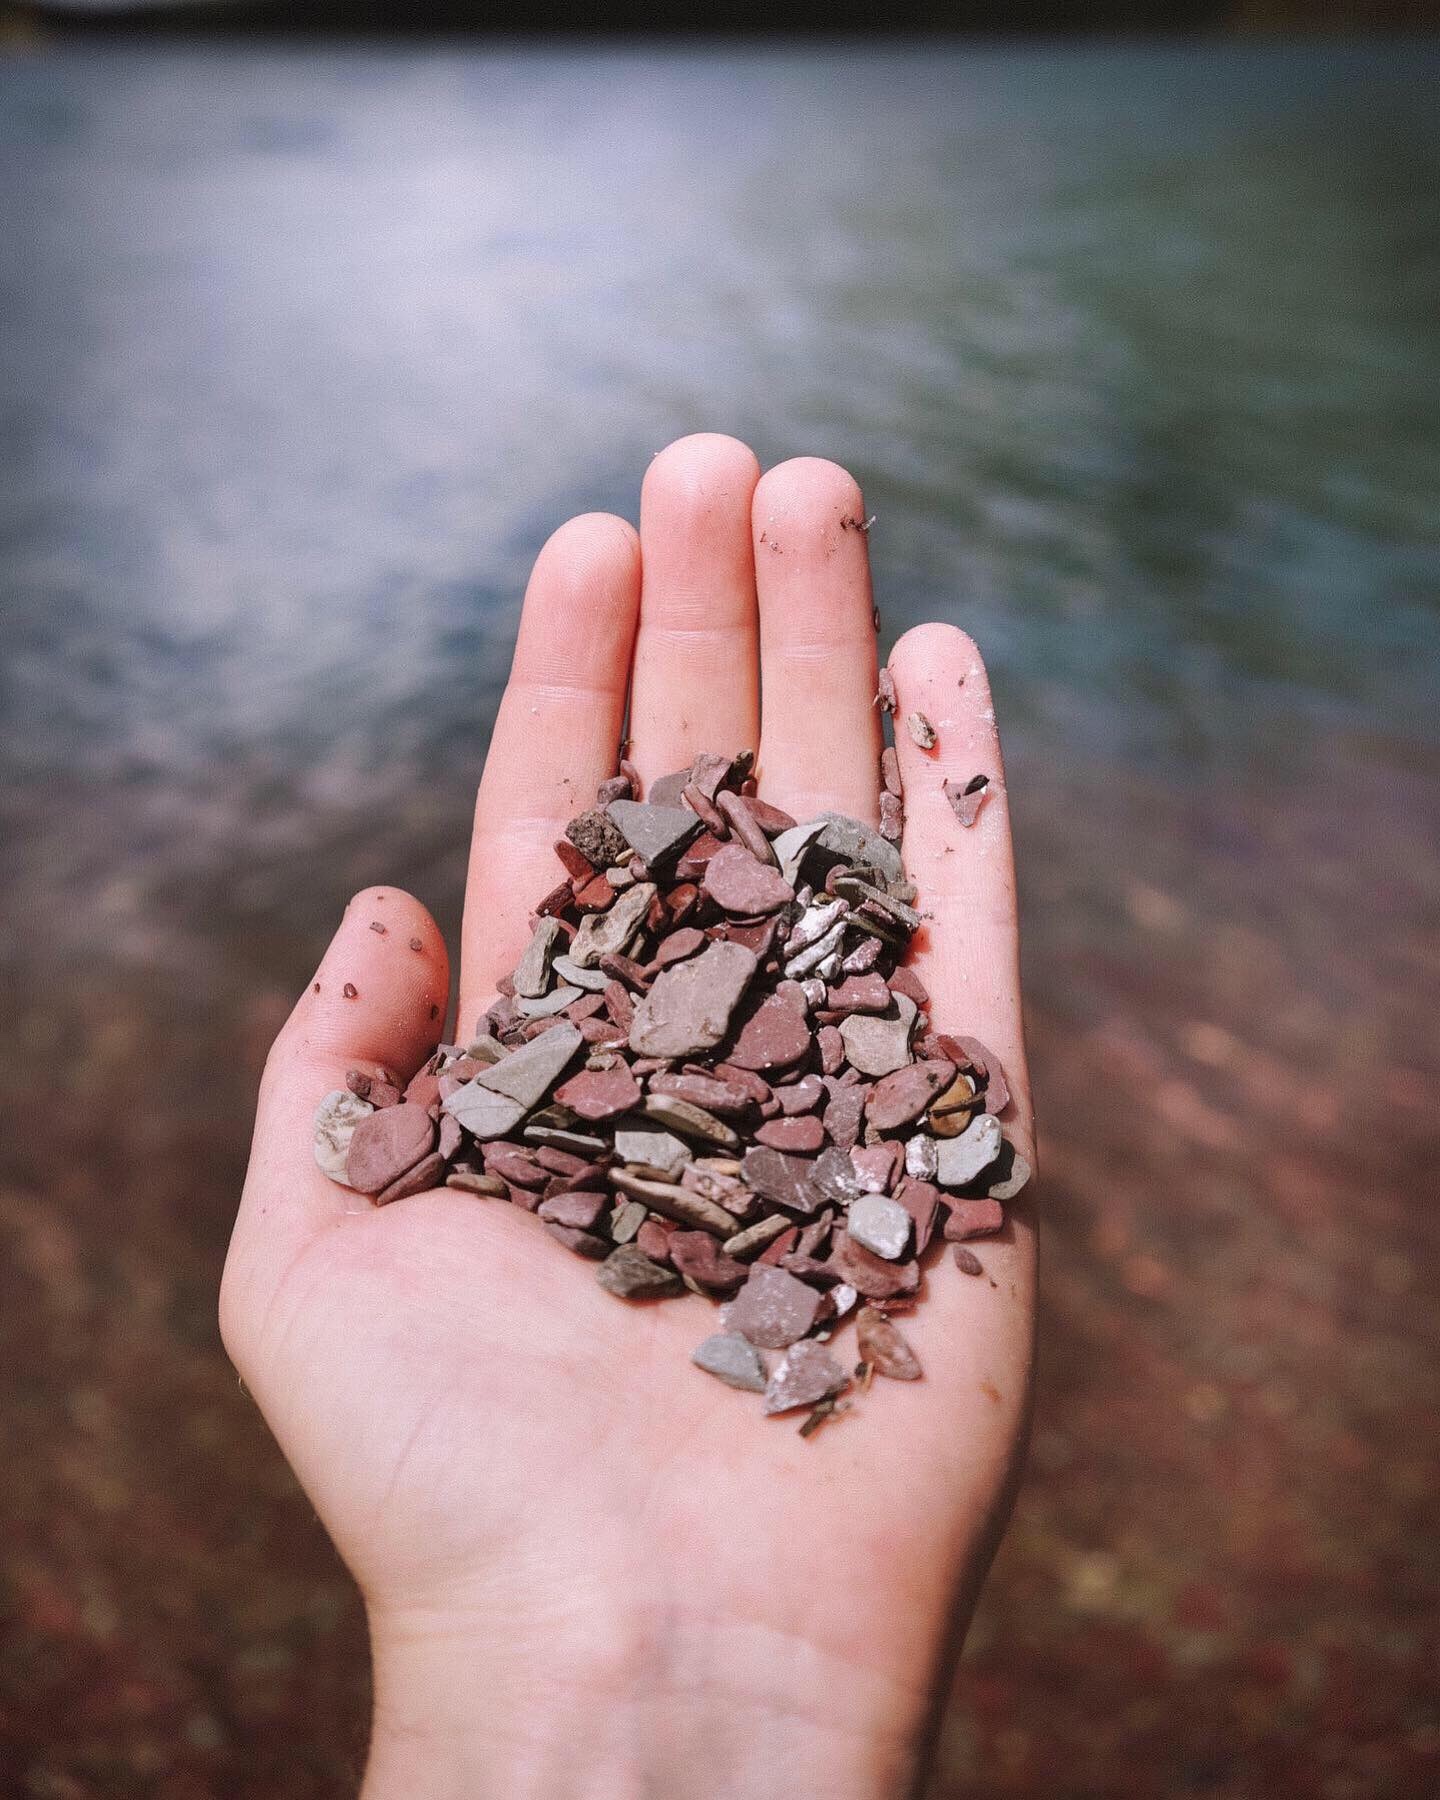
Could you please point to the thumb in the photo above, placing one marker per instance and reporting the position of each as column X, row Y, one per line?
column 379, row 996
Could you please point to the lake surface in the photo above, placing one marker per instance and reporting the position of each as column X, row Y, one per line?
column 1136, row 354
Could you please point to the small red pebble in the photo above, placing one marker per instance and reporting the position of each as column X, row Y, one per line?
column 350, row 991
column 905, row 981
column 972, row 1219
column 802, row 1133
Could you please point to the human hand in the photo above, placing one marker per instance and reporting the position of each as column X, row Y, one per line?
column 590, row 1569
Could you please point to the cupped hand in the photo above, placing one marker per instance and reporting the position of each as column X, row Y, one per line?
column 589, row 1567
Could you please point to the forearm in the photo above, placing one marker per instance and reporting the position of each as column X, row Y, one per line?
column 717, row 1712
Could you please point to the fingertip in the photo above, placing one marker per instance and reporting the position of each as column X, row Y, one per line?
column 808, row 490
column 589, row 543
column 692, row 472
column 381, row 989
column 936, row 649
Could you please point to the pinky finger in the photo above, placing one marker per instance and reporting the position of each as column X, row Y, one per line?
column 967, row 953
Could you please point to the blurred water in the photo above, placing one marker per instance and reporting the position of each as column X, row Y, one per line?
column 1137, row 356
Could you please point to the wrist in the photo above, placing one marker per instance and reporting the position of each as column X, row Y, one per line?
column 604, row 1706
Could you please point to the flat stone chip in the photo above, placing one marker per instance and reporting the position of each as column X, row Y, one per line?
column 901, row 1097
column 532, row 972
column 972, row 1219
column 528, row 1074
column 549, row 1004
column 427, row 1173
column 860, row 993
column 806, row 1374
column 630, row 1273
column 833, row 1175
column 671, row 1201
column 790, row 847
column 592, row 980
column 610, row 933
column 879, row 1043
column 1008, row 1173
column 725, row 1099
column 698, row 1255
column 781, row 1179
column 886, row 697
column 869, row 1274
column 757, row 1237
column 775, row 1035
column 336, row 1117
column 689, row 1007
column 577, row 1208
column 921, row 1157
column 842, row 1116
column 960, row 1160
column 658, row 1150
column 739, row 883
column 802, row 1134
column 922, row 1200
column 627, row 1219
column 657, row 834
column 773, row 1309
column 848, row 840
column 733, row 1360
column 387, row 1144
column 921, row 730
column 583, row 1243
column 690, row 1121
column 597, row 837
column 880, row 1224
column 966, row 798
column 666, row 790
column 882, row 1346
column 600, row 1093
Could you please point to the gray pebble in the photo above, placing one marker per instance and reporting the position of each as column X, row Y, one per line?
column 879, row 1043
column 661, row 1151
column 733, row 1360
column 335, row 1120
column 960, row 1159
column 881, row 1224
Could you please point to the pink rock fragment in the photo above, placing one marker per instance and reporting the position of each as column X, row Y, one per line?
column 773, row 1309
column 899, row 1097
column 774, row 1036
column 740, row 884
column 972, row 1219
column 859, row 993
column 385, row 1144
column 800, row 1135
column 922, row 1200
column 600, row 1093
column 869, row 1274
column 807, row 1374
column 877, row 1166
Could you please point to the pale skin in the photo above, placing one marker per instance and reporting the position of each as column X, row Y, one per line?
column 589, row 1569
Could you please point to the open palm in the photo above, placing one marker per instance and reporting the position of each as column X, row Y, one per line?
column 534, row 1488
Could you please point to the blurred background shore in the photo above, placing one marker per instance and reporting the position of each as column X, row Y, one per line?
column 304, row 349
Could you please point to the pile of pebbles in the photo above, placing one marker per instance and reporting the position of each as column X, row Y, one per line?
column 711, row 1071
